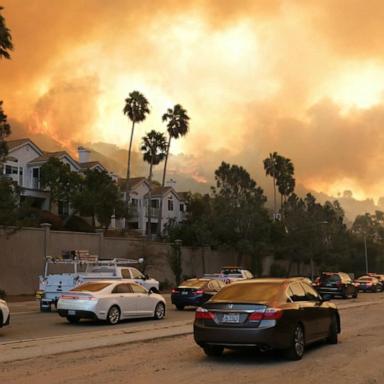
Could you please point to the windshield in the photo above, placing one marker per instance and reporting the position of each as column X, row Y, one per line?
column 249, row 293
column 91, row 287
column 330, row 278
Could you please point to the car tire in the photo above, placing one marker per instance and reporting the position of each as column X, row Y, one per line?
column 354, row 296
column 113, row 316
column 344, row 294
column 153, row 290
column 73, row 319
column 179, row 307
column 333, row 331
column 159, row 311
column 213, row 350
column 296, row 349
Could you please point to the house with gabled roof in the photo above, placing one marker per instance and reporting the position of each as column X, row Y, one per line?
column 23, row 165
column 145, row 200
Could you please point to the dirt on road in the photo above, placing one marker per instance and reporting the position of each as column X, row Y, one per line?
column 356, row 359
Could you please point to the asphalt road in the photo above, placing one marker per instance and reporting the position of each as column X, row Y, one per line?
column 27, row 322
column 356, row 359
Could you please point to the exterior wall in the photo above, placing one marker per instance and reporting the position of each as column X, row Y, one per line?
column 22, row 256
column 24, row 155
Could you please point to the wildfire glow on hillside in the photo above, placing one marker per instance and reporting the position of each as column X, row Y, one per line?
column 305, row 79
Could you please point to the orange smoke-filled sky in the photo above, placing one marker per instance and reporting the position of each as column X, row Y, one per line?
column 304, row 78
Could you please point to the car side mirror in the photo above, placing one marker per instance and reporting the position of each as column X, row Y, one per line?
column 146, row 276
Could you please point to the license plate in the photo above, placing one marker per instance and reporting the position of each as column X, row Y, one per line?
column 71, row 313
column 184, row 292
column 231, row 318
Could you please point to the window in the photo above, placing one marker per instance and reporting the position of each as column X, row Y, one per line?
column 181, row 207
column 296, row 292
column 250, row 292
column 170, row 205
column 155, row 203
column 310, row 293
column 63, row 208
column 136, row 274
column 125, row 274
column 90, row 287
column 122, row 288
column 134, row 202
column 138, row 289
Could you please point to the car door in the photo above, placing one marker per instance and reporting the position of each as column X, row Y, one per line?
column 319, row 312
column 145, row 301
column 306, row 311
column 126, row 299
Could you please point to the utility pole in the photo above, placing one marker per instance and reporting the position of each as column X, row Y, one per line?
column 366, row 254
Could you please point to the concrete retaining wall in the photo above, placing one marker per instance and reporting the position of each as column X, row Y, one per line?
column 22, row 255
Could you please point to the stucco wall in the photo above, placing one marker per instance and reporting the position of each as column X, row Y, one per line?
column 22, row 256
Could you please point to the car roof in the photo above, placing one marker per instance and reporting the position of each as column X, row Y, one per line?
column 273, row 280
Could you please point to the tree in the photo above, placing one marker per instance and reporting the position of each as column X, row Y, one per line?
column 284, row 178
column 240, row 219
column 136, row 108
column 98, row 198
column 5, row 38
column 5, row 131
column 9, row 202
column 177, row 121
column 271, row 164
column 154, row 148
column 61, row 182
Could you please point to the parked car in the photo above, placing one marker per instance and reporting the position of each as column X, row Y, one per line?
column 379, row 277
column 284, row 314
column 53, row 284
column 337, row 284
column 110, row 300
column 195, row 292
column 368, row 284
column 4, row 314
column 229, row 274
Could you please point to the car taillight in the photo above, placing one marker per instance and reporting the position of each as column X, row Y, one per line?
column 204, row 314
column 69, row 297
column 268, row 314
column 198, row 292
column 174, row 290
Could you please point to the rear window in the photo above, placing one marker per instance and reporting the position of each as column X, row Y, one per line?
column 365, row 278
column 91, row 287
column 230, row 271
column 249, row 293
column 330, row 278
column 194, row 283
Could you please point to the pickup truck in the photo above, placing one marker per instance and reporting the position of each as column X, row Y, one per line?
column 230, row 274
column 52, row 285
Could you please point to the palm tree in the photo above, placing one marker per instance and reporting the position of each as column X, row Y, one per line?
column 5, row 39
column 154, row 148
column 271, row 169
column 285, row 180
column 177, row 126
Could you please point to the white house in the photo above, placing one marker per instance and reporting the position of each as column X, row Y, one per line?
column 23, row 165
column 173, row 206
column 25, row 160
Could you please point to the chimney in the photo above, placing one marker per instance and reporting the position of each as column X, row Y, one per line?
column 84, row 155
column 171, row 183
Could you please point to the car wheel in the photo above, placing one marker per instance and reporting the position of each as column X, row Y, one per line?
column 355, row 294
column 153, row 290
column 113, row 316
column 73, row 319
column 213, row 350
column 332, row 336
column 296, row 349
column 345, row 294
column 179, row 307
column 159, row 311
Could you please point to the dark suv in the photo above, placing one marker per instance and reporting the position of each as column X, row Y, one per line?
column 337, row 284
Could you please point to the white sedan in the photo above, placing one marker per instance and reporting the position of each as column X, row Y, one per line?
column 4, row 313
column 111, row 301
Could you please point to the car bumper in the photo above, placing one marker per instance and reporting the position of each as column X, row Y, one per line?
column 185, row 300
column 81, row 314
column 266, row 338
